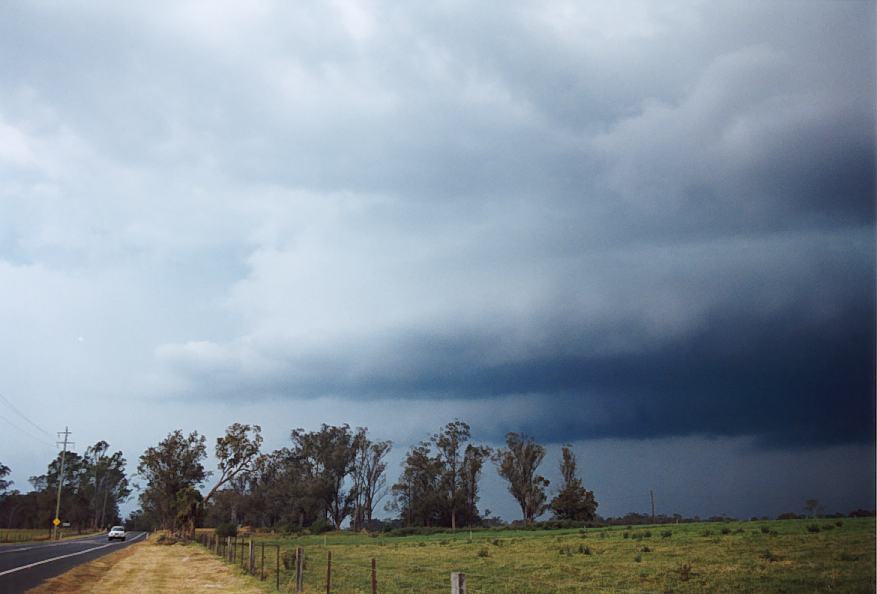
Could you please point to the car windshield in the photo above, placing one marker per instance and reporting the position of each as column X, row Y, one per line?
column 114, row 528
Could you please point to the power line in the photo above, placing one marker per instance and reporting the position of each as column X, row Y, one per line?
column 31, row 435
column 22, row 415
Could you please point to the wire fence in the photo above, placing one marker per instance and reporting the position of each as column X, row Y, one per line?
column 284, row 567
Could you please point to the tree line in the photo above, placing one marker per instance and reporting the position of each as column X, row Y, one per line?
column 94, row 486
column 321, row 480
column 335, row 474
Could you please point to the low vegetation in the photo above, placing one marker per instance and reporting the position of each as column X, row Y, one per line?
column 787, row 557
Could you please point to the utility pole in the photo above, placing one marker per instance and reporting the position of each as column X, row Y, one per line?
column 652, row 495
column 57, row 521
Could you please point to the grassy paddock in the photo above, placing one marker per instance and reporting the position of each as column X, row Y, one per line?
column 764, row 556
column 31, row 535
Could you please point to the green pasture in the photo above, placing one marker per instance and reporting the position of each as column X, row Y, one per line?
column 824, row 555
column 16, row 535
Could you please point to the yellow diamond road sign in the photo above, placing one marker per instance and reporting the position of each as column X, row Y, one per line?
column 56, row 521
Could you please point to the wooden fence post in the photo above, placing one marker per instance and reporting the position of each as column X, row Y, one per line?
column 277, row 567
column 262, row 570
column 329, row 572
column 299, row 570
column 252, row 557
column 374, row 577
column 458, row 582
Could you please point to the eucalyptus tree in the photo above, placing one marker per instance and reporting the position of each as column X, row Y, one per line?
column 517, row 464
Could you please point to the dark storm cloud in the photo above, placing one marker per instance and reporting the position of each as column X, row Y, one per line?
column 631, row 220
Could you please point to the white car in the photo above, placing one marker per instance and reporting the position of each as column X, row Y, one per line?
column 116, row 532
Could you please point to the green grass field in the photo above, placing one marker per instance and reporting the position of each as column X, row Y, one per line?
column 30, row 535
column 763, row 556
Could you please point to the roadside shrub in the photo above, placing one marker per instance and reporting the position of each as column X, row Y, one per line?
column 813, row 528
column 774, row 533
column 707, row 533
column 166, row 539
column 827, row 527
column 565, row 551
column 646, row 549
column 647, row 534
column 638, row 558
column 726, row 530
column 483, row 552
column 496, row 542
column 584, row 550
column 765, row 530
column 666, row 534
column 626, row 535
column 225, row 529
column 738, row 531
column 839, row 523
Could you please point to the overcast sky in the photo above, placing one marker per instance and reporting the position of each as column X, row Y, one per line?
column 644, row 228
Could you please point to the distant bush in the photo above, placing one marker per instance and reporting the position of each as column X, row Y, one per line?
column 626, row 535
column 765, row 530
column 584, row 549
column 319, row 526
column 684, row 571
column 646, row 549
column 483, row 552
column 647, row 534
column 707, row 533
column 726, row 530
column 768, row 555
column 813, row 528
column 225, row 529
column 666, row 534
column 496, row 542
column 638, row 558
column 827, row 527
column 839, row 523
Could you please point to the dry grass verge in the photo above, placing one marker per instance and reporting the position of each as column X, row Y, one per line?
column 151, row 568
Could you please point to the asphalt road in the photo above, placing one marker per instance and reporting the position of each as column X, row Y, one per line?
column 24, row 566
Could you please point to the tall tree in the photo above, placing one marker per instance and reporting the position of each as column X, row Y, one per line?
column 450, row 442
column 173, row 466
column 573, row 502
column 330, row 454
column 517, row 464
column 470, row 474
column 236, row 452
column 417, row 495
column 369, row 477
column 4, row 484
column 106, row 485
